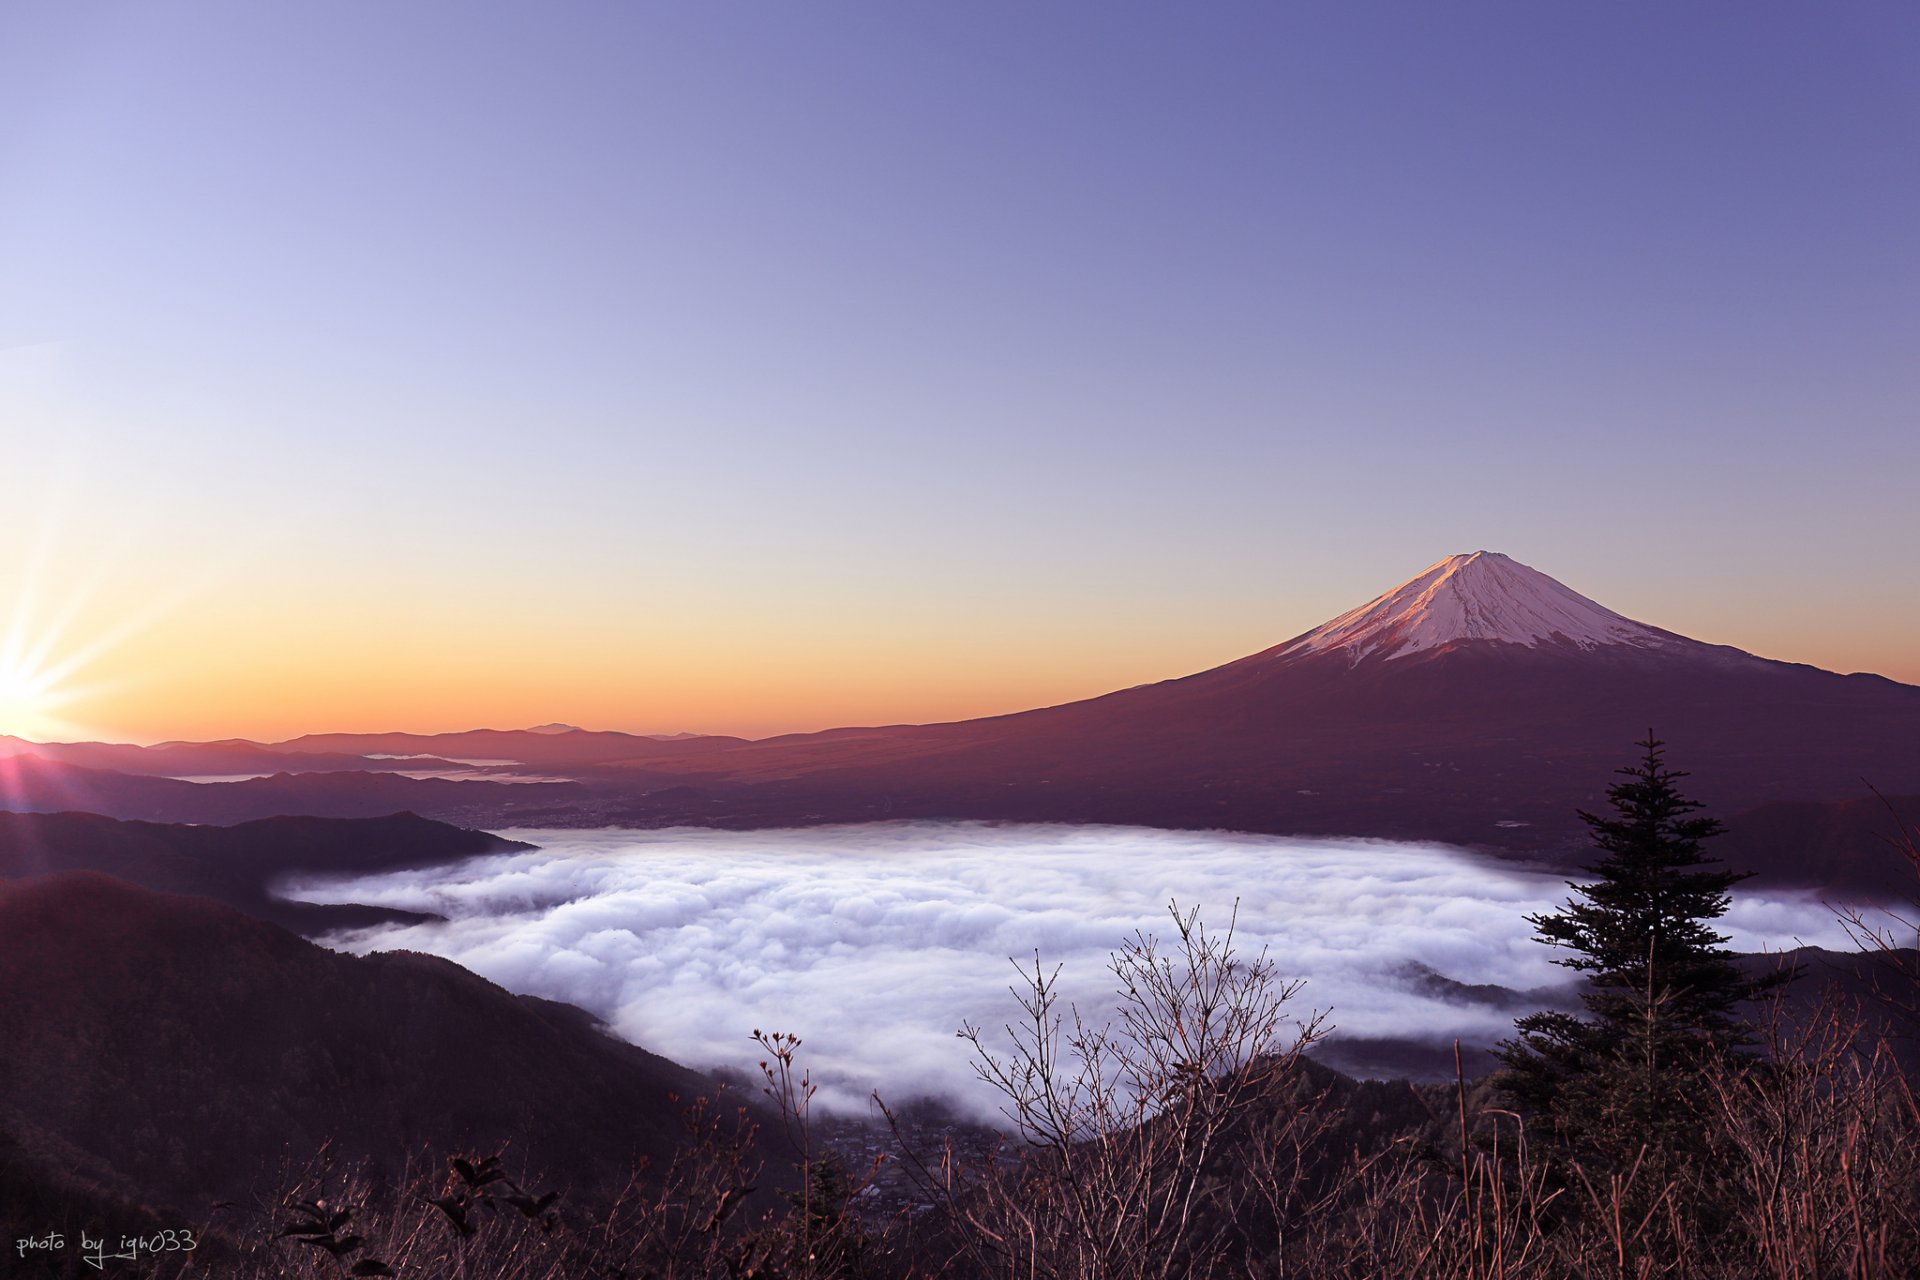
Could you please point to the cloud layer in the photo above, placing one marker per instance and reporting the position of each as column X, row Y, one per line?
column 874, row 943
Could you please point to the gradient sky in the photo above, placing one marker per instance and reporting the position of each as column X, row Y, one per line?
column 757, row 367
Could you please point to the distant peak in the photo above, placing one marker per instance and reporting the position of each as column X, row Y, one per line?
column 556, row 727
column 1476, row 595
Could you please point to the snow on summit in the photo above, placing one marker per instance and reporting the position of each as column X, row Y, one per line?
column 1482, row 595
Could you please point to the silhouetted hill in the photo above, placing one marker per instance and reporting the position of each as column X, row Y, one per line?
column 173, row 1050
column 230, row 758
column 30, row 784
column 549, row 746
column 1866, row 984
column 1849, row 846
column 235, row 865
column 545, row 746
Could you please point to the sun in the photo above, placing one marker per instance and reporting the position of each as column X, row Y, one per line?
column 29, row 696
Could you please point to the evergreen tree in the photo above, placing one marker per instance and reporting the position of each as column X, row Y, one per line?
column 1661, row 991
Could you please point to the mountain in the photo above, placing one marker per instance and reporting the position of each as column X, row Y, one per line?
column 230, row 758
column 31, row 784
column 170, row 1050
column 1479, row 598
column 474, row 754
column 548, row 746
column 1863, row 847
column 1480, row 702
column 238, row 865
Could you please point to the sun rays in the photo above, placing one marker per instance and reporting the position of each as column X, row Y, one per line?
column 40, row 663
column 28, row 699
column 61, row 612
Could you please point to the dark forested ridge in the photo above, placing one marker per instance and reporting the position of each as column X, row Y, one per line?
column 236, row 865
column 174, row 1051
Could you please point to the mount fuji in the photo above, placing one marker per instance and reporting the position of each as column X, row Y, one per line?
column 1480, row 596
column 1480, row 702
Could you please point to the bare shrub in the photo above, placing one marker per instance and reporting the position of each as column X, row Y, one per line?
column 1823, row 1154
column 1132, row 1133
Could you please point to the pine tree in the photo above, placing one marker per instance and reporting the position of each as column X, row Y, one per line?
column 1662, row 989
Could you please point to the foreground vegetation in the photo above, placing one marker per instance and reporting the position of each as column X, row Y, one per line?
column 1186, row 1141
column 1132, row 1159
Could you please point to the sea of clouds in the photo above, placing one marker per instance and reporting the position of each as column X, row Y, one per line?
column 876, row 942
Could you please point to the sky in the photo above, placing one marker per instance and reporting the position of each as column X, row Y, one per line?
column 756, row 367
column 877, row 942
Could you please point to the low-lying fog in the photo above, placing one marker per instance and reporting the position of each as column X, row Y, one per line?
column 874, row 943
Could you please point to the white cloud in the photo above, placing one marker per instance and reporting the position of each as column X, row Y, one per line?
column 874, row 943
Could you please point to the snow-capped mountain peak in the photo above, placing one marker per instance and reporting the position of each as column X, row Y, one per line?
column 1480, row 595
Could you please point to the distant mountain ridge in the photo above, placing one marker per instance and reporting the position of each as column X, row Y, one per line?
column 548, row 746
column 233, row 756
column 238, row 865
column 29, row 783
column 1480, row 703
column 554, row 745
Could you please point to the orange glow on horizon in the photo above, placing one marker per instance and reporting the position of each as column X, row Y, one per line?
column 98, row 642
column 182, row 683
column 275, row 698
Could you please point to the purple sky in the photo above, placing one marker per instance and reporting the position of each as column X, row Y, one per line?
column 932, row 360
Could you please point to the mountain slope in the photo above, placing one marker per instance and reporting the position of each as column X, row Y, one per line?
column 170, row 1048
column 30, row 784
column 237, row 865
column 1479, row 596
column 548, row 746
column 232, row 758
column 1481, row 702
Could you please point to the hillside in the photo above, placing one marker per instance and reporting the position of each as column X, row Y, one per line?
column 237, row 865
column 175, row 1051
column 1481, row 703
